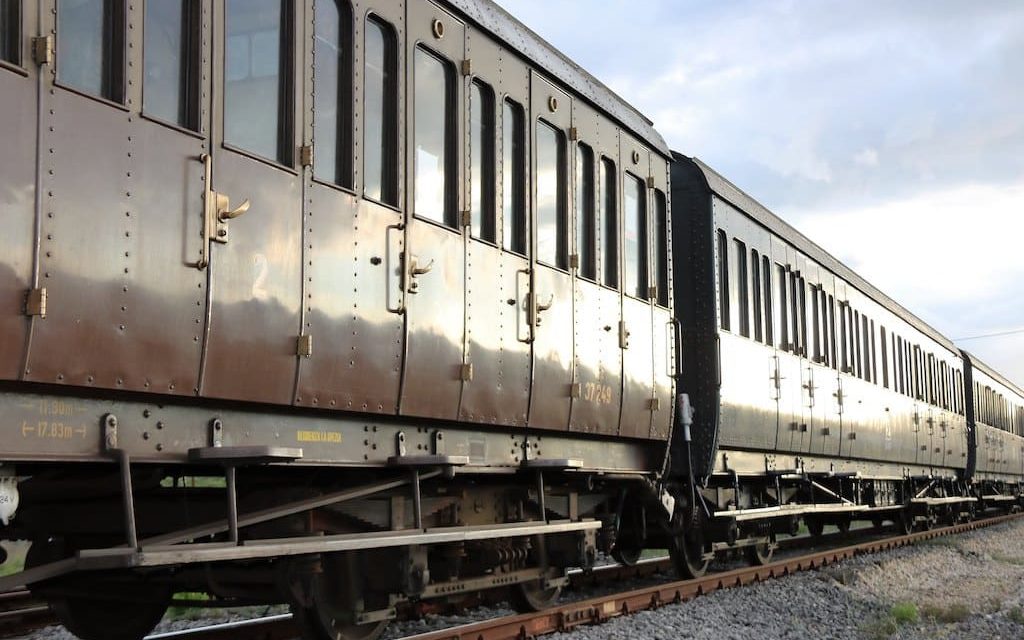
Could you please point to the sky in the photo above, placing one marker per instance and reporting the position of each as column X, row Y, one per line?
column 890, row 133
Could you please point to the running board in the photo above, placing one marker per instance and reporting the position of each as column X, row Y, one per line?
column 170, row 555
column 935, row 501
column 998, row 498
column 741, row 515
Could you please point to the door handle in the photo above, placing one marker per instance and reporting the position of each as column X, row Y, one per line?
column 414, row 272
column 541, row 307
column 391, row 251
column 524, row 311
column 225, row 213
column 208, row 204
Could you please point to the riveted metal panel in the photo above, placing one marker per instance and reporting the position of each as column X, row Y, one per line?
column 497, row 282
column 86, row 338
column 256, row 277
column 435, row 313
column 552, row 287
column 663, row 329
column 636, row 338
column 19, row 106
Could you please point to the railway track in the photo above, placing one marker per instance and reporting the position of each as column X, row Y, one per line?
column 21, row 613
column 570, row 615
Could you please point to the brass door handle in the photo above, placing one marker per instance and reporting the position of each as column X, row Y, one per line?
column 225, row 213
column 541, row 306
column 417, row 270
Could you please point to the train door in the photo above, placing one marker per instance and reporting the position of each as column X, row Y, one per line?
column 802, row 388
column 550, row 307
column 635, row 332
column 19, row 80
column 124, row 143
column 597, row 386
column 434, row 256
column 826, row 435
column 497, row 271
column 814, row 365
column 663, row 332
column 787, row 362
column 255, row 201
column 844, row 368
column 352, row 329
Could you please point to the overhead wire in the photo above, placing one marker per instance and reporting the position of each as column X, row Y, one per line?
column 991, row 335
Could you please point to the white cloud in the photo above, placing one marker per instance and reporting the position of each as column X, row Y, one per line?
column 866, row 158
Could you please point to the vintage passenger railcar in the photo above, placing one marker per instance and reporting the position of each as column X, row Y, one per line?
column 335, row 284
column 815, row 394
column 290, row 290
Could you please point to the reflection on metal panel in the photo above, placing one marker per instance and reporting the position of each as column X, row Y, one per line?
column 497, row 294
column 552, row 349
column 357, row 345
column 17, row 193
column 637, row 369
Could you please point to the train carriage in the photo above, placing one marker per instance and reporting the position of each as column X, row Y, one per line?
column 293, row 288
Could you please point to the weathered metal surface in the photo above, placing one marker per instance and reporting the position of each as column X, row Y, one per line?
column 18, row 129
column 637, row 370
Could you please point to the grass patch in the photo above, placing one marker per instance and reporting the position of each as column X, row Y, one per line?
column 900, row 614
column 946, row 615
column 1016, row 615
column 188, row 613
column 648, row 554
column 941, row 541
column 904, row 613
column 15, row 558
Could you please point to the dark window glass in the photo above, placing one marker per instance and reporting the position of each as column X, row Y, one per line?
column 552, row 227
column 609, row 224
column 816, row 320
column 380, row 118
column 481, row 161
column 874, row 354
column 433, row 139
column 844, row 331
column 858, row 355
column 258, row 80
column 769, row 310
column 885, row 358
column 832, row 332
column 755, row 288
column 10, row 31
column 513, row 185
column 332, row 92
column 723, row 281
column 783, row 309
column 800, row 297
column 661, row 246
column 90, row 42
column 586, row 222
column 171, row 57
column 743, row 288
column 634, row 239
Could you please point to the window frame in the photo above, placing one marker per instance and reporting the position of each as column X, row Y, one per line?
column 517, row 244
column 661, row 268
column 609, row 211
column 757, row 295
column 390, row 172
column 742, row 287
column 450, row 143
column 722, row 248
column 344, row 142
column 114, row 52
column 586, row 212
column 16, row 24
column 562, row 239
column 488, row 224
column 641, row 290
column 192, row 73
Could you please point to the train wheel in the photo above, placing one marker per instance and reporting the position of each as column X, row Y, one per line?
column 628, row 556
column 761, row 554
column 102, row 606
column 815, row 526
column 904, row 522
column 843, row 524
column 336, row 594
column 530, row 596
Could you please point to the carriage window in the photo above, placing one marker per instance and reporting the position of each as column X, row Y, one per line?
column 868, row 362
column 783, row 311
column 723, row 280
column 552, row 232
column 755, row 288
column 885, row 359
column 481, row 161
column 743, row 288
column 332, row 87
column 661, row 247
column 10, row 31
column 258, row 79
column 610, row 224
column 769, row 310
column 380, row 98
column 171, row 57
column 800, row 299
column 513, row 185
column 586, row 223
column 90, row 39
column 634, row 240
column 816, row 319
column 434, row 130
